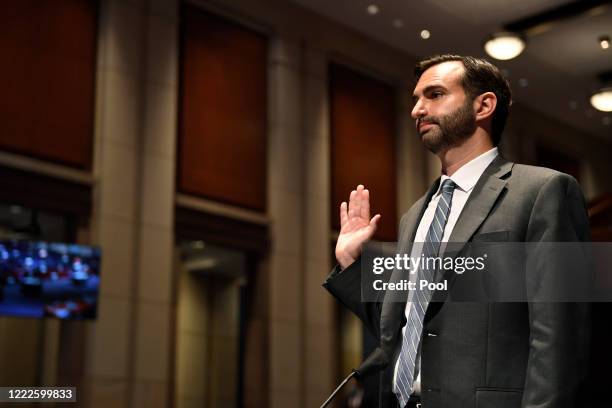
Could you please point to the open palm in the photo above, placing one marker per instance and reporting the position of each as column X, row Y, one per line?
column 356, row 227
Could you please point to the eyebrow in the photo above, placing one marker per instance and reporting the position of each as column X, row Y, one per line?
column 428, row 89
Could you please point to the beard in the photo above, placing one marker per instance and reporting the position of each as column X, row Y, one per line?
column 451, row 130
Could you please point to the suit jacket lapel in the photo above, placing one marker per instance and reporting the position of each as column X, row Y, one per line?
column 477, row 208
column 481, row 201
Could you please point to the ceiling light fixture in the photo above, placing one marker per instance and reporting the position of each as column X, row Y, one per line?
column 602, row 97
column 425, row 34
column 604, row 42
column 602, row 100
column 508, row 43
column 373, row 9
column 504, row 45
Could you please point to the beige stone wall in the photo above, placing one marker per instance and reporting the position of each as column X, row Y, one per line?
column 128, row 350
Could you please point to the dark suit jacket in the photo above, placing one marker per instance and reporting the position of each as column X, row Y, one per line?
column 497, row 355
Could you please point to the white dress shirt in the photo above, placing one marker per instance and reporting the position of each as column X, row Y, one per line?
column 465, row 179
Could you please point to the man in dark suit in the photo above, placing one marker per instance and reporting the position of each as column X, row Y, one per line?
column 472, row 354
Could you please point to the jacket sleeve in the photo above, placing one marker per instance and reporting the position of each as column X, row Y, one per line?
column 345, row 285
column 559, row 330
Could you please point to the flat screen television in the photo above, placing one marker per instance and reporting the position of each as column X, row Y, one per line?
column 49, row 279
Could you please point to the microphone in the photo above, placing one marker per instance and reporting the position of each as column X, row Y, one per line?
column 376, row 361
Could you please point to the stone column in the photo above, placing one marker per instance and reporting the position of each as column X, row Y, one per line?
column 319, row 330
column 286, row 211
column 128, row 346
column 153, row 308
column 413, row 160
column 114, row 220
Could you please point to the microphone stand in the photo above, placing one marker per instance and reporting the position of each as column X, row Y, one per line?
column 342, row 384
column 376, row 361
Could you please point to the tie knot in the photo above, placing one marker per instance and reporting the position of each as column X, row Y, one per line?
column 448, row 186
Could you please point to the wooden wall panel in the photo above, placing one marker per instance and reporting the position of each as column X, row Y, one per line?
column 47, row 77
column 222, row 125
column 363, row 127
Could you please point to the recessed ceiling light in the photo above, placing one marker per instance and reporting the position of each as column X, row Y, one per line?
column 604, row 42
column 397, row 23
column 602, row 100
column 425, row 34
column 504, row 46
column 373, row 9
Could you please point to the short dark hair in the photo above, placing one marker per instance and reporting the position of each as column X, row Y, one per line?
column 480, row 76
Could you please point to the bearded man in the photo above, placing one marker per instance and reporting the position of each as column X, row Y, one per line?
column 471, row 354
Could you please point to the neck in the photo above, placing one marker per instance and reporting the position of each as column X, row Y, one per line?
column 455, row 157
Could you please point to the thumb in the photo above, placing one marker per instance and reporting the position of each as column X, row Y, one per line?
column 374, row 221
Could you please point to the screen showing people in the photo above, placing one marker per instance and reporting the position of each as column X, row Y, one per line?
column 39, row 279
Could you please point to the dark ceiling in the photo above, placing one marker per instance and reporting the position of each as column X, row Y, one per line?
column 556, row 73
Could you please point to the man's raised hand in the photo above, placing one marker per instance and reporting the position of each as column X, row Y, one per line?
column 356, row 227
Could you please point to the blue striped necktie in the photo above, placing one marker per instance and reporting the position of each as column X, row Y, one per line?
column 421, row 298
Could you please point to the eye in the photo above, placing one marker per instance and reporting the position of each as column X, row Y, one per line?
column 436, row 94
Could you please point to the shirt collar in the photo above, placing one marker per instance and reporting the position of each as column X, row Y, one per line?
column 466, row 177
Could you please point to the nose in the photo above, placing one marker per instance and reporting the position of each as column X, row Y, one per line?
column 419, row 110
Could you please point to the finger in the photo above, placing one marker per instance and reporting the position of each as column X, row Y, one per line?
column 343, row 214
column 365, row 204
column 358, row 200
column 374, row 221
column 352, row 204
column 373, row 225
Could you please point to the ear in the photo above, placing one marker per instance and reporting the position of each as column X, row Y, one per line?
column 485, row 105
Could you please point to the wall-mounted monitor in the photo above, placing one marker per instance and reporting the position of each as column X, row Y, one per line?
column 39, row 279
